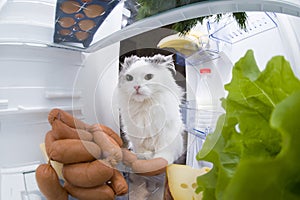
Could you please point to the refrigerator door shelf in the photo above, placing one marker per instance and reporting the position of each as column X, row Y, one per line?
column 228, row 31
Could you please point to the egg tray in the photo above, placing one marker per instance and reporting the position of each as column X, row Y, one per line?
column 77, row 21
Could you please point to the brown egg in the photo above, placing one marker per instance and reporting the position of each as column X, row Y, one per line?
column 70, row 7
column 66, row 22
column 93, row 11
column 86, row 24
column 86, row 1
column 80, row 35
column 65, row 32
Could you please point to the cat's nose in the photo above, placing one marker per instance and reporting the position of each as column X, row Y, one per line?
column 137, row 87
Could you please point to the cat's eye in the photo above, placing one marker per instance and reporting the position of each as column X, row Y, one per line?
column 148, row 76
column 129, row 77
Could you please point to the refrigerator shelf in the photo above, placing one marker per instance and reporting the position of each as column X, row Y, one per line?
column 19, row 182
column 228, row 31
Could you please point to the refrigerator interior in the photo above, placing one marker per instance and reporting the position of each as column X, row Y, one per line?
column 36, row 76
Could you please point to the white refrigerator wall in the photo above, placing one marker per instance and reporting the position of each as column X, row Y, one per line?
column 32, row 81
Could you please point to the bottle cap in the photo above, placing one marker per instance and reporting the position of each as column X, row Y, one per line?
column 205, row 71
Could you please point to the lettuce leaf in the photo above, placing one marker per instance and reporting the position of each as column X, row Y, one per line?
column 245, row 134
column 273, row 178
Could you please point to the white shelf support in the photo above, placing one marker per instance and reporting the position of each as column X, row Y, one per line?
column 62, row 94
column 3, row 104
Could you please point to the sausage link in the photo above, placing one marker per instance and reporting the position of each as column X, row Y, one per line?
column 69, row 151
column 150, row 167
column 63, row 131
column 118, row 183
column 66, row 118
column 48, row 183
column 49, row 139
column 89, row 174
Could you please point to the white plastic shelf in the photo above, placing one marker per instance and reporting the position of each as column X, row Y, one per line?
column 204, row 8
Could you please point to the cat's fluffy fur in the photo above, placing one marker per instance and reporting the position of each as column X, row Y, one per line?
column 149, row 100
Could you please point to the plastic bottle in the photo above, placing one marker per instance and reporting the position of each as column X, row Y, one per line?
column 209, row 92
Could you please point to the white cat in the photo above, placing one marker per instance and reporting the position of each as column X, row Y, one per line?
column 149, row 100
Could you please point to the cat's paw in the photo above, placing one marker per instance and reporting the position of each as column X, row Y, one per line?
column 148, row 155
column 167, row 156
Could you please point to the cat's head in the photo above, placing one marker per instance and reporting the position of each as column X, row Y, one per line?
column 143, row 77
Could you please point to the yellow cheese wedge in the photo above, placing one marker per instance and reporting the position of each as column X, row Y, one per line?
column 57, row 166
column 182, row 181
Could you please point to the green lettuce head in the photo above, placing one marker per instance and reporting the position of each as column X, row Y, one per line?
column 255, row 144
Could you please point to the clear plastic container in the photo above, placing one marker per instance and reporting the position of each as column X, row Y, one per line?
column 209, row 92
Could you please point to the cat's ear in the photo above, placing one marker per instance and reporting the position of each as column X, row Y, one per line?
column 128, row 61
column 165, row 60
column 170, row 63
